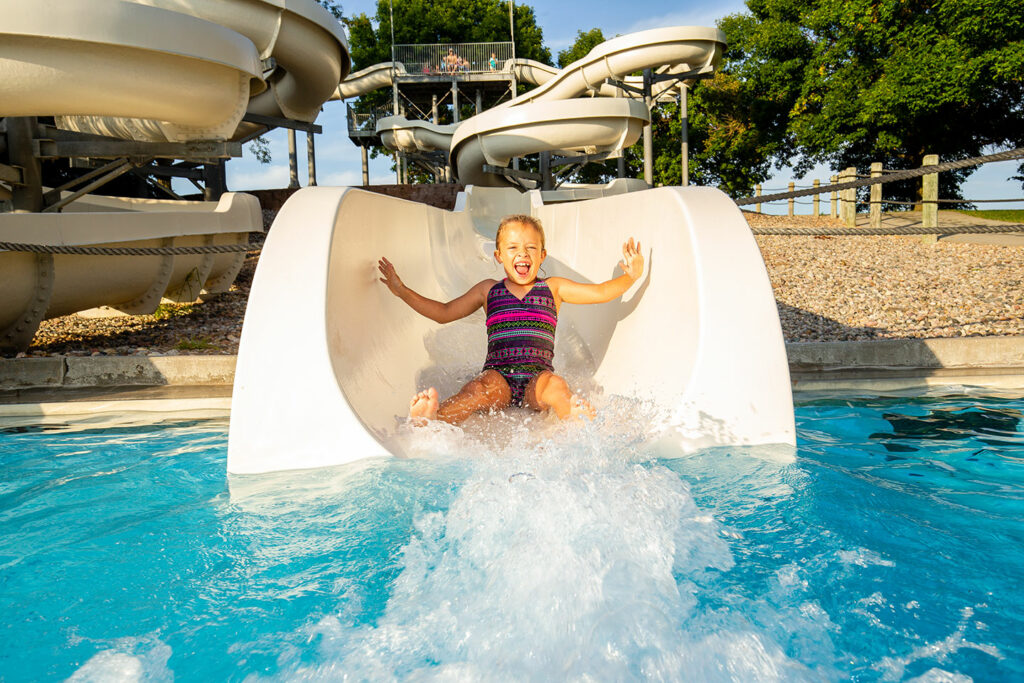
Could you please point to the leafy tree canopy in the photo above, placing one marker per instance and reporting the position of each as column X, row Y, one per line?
column 585, row 42
column 849, row 82
column 443, row 21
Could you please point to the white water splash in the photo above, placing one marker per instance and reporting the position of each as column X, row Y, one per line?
column 127, row 660
column 566, row 554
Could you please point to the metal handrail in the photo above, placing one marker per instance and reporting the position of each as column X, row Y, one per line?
column 453, row 58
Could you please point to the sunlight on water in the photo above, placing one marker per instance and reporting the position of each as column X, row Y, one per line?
column 563, row 554
column 520, row 548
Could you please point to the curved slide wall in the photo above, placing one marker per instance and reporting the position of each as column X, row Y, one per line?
column 36, row 287
column 698, row 336
column 169, row 69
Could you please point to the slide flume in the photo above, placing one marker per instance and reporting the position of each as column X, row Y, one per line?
column 148, row 70
column 329, row 357
column 564, row 113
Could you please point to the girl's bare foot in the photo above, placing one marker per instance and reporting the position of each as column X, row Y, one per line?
column 423, row 406
column 580, row 407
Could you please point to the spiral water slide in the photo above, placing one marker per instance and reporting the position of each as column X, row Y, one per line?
column 153, row 71
column 552, row 117
column 329, row 357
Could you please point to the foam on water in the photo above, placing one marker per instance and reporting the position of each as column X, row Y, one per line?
column 565, row 553
column 525, row 549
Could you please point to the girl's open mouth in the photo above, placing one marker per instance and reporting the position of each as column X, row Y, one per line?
column 522, row 268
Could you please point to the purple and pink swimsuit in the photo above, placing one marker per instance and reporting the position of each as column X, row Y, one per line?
column 520, row 335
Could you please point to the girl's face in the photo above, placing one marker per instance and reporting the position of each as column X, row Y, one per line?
column 520, row 252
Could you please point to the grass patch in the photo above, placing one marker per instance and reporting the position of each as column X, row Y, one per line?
column 195, row 344
column 167, row 311
column 1008, row 215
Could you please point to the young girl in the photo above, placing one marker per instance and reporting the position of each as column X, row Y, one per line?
column 522, row 312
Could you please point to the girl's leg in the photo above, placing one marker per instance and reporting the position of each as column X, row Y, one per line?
column 548, row 390
column 487, row 390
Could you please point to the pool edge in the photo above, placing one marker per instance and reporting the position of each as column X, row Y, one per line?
column 67, row 384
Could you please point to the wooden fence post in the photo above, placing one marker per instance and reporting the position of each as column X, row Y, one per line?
column 876, row 196
column 790, row 201
column 930, row 194
column 816, row 205
column 848, row 198
column 834, row 197
column 757, row 193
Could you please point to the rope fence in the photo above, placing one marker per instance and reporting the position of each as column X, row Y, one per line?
column 904, row 230
column 905, row 174
column 125, row 251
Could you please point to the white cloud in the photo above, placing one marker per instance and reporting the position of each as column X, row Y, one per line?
column 271, row 176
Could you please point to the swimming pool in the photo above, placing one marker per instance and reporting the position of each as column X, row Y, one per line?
column 891, row 549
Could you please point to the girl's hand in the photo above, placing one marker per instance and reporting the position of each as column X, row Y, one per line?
column 390, row 278
column 632, row 262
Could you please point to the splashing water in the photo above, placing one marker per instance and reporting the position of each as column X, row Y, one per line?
column 522, row 549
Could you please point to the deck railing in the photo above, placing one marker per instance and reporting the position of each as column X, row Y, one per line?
column 365, row 123
column 453, row 58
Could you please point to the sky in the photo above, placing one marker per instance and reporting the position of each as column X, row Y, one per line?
column 338, row 160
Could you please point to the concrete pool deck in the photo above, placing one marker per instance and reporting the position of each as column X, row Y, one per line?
column 74, row 385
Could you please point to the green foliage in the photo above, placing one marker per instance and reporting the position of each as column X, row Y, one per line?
column 1008, row 215
column 443, row 21
column 849, row 82
column 585, row 42
column 332, row 7
column 436, row 21
column 167, row 311
column 195, row 344
column 260, row 149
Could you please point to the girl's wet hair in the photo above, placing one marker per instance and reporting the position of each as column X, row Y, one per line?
column 522, row 219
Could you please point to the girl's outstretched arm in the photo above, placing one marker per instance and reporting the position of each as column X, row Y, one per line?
column 435, row 310
column 573, row 292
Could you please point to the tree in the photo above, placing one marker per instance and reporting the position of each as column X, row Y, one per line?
column 437, row 21
column 849, row 82
column 585, row 42
column 443, row 21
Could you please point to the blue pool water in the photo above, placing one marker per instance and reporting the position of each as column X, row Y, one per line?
column 890, row 549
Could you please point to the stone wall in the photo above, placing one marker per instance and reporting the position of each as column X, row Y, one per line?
column 440, row 195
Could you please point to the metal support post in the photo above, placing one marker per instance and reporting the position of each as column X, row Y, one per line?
column 455, row 101
column 394, row 97
column 215, row 180
column 620, row 165
column 311, row 158
column 433, row 108
column 366, row 164
column 28, row 195
column 293, row 161
column 816, row 201
column 546, row 182
column 930, row 194
column 648, row 133
column 875, row 208
column 479, row 102
column 684, row 125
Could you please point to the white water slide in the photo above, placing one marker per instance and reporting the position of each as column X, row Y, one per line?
column 329, row 358
column 149, row 70
column 551, row 117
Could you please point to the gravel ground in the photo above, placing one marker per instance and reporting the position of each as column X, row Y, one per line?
column 827, row 289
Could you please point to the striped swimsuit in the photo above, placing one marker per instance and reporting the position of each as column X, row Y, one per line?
column 520, row 335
